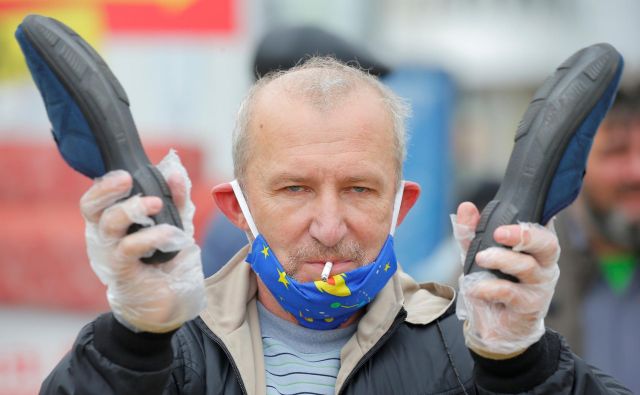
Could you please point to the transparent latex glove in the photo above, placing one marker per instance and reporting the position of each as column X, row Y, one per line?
column 144, row 297
column 504, row 318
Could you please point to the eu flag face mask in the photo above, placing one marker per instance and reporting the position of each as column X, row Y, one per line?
column 321, row 304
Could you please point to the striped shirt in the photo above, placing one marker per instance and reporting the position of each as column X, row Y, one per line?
column 299, row 360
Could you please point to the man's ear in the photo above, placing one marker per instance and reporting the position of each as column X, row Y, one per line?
column 227, row 203
column 409, row 198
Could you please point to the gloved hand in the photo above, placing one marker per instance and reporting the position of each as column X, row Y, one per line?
column 504, row 318
column 144, row 297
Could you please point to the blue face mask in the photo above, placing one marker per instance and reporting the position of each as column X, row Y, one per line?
column 321, row 304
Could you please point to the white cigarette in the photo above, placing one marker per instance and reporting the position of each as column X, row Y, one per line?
column 326, row 271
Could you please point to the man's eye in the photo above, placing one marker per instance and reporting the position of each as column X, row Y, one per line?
column 360, row 189
column 295, row 188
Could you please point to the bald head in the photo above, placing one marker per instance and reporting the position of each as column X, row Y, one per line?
column 325, row 84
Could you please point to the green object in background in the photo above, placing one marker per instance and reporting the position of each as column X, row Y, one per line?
column 618, row 271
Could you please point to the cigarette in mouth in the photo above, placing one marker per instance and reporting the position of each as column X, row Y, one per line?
column 326, row 271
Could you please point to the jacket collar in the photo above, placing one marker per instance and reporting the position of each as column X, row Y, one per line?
column 232, row 315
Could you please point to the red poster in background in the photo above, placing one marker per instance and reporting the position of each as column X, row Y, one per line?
column 171, row 16
column 208, row 17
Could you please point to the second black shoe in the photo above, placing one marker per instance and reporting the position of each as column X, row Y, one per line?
column 544, row 173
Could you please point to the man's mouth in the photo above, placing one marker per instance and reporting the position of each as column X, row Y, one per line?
column 629, row 202
column 339, row 265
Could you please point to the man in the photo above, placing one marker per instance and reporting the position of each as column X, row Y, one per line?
column 318, row 155
column 597, row 305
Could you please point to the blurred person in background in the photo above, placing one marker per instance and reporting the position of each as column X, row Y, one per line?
column 597, row 301
column 318, row 156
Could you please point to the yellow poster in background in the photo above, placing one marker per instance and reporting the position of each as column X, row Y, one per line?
column 87, row 20
column 93, row 19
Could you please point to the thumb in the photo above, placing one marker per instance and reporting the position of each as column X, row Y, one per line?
column 464, row 224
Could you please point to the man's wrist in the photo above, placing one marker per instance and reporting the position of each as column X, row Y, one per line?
column 494, row 356
column 472, row 343
column 521, row 372
column 142, row 351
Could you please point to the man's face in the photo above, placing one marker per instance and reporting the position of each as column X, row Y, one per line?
column 612, row 182
column 320, row 183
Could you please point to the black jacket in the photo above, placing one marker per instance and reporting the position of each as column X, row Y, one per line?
column 409, row 341
column 409, row 359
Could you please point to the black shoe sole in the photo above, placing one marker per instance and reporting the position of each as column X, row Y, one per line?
column 558, row 109
column 105, row 105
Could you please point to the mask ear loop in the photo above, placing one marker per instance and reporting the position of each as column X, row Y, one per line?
column 244, row 207
column 254, row 230
column 396, row 208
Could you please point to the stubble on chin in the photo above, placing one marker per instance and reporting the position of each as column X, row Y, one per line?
column 314, row 251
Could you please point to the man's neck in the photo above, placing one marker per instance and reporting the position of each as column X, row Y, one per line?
column 270, row 303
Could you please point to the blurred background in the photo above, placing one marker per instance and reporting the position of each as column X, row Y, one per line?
column 469, row 67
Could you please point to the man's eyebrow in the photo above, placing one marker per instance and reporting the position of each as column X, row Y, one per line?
column 370, row 178
column 357, row 179
column 286, row 177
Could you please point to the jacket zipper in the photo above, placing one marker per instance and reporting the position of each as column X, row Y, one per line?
column 224, row 348
column 383, row 339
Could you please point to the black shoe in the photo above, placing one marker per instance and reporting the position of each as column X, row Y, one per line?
column 552, row 143
column 89, row 112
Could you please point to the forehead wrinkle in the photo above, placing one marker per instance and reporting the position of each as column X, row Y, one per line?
column 324, row 148
column 348, row 141
column 282, row 141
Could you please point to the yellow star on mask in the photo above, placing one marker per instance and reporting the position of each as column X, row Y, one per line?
column 265, row 251
column 387, row 267
column 283, row 278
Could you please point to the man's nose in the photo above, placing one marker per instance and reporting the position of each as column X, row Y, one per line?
column 633, row 168
column 328, row 225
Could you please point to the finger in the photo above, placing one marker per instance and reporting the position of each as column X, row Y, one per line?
column 107, row 190
column 176, row 175
column 179, row 192
column 468, row 215
column 465, row 223
column 162, row 237
column 116, row 220
column 540, row 242
column 499, row 291
column 522, row 266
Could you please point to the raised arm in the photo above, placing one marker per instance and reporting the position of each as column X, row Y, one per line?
column 129, row 350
